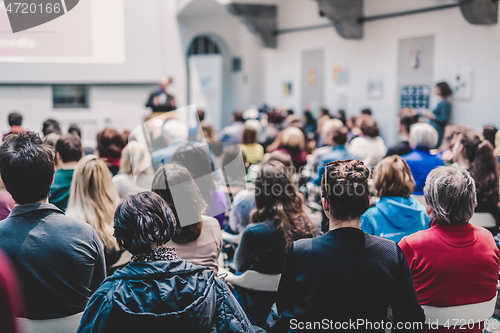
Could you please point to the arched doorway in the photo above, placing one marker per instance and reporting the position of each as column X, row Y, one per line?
column 205, row 77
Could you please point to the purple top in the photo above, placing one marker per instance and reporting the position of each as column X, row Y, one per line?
column 6, row 204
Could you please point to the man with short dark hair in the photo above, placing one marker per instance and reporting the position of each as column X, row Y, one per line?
column 407, row 117
column 59, row 260
column 15, row 121
column 68, row 153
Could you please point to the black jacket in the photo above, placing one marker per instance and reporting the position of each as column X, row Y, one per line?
column 175, row 296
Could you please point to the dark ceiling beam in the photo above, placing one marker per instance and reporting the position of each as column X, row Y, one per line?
column 261, row 20
column 484, row 12
column 344, row 15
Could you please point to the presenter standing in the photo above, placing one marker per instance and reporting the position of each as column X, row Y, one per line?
column 160, row 100
column 441, row 115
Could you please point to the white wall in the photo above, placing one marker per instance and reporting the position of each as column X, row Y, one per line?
column 457, row 43
column 119, row 107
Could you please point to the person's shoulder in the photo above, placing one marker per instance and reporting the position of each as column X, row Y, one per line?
column 66, row 223
column 420, row 238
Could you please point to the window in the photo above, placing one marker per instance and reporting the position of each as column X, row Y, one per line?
column 70, row 96
column 203, row 45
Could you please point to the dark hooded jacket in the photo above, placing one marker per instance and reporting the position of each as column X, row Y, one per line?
column 173, row 295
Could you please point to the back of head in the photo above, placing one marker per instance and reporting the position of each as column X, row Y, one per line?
column 175, row 131
column 93, row 197
column 143, row 221
column 366, row 111
column 423, row 135
column 208, row 132
column 51, row 126
column 392, row 178
column 238, row 116
column 339, row 136
column 330, row 125
column 176, row 186
column 26, row 167
column 368, row 126
column 489, row 133
column 345, row 187
column 239, row 217
column 451, row 195
column 292, row 137
column 444, row 89
column 485, row 172
column 277, row 198
column 136, row 159
column 110, row 143
column 497, row 144
column 249, row 135
column 15, row 119
column 280, row 157
column 200, row 114
column 408, row 117
column 69, row 148
column 75, row 130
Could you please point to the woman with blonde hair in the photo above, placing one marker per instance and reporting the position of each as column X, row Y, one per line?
column 93, row 199
column 396, row 214
column 136, row 172
column 293, row 142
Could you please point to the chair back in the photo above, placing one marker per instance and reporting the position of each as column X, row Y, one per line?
column 485, row 220
column 58, row 325
column 253, row 280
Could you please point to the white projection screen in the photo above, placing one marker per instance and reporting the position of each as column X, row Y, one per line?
column 97, row 41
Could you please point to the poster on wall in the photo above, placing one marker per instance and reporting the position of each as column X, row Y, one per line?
column 415, row 71
column 340, row 75
column 287, row 88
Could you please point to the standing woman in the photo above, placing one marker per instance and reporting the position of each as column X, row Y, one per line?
column 93, row 199
column 440, row 117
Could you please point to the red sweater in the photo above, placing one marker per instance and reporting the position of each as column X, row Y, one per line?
column 453, row 266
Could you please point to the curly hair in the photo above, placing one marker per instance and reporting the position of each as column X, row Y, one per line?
column 142, row 221
column 277, row 198
column 345, row 187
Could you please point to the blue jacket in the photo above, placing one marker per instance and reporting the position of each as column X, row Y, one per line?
column 175, row 296
column 395, row 217
column 338, row 153
column 421, row 162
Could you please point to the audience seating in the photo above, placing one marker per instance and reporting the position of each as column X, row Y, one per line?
column 485, row 220
column 253, row 280
column 59, row 325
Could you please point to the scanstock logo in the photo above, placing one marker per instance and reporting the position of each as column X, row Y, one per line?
column 27, row 14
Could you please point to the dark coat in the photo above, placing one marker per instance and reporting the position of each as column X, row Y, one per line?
column 173, row 295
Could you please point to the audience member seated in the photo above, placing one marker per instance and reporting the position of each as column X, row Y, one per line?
column 175, row 133
column 158, row 290
column 346, row 274
column 193, row 131
column 253, row 151
column 15, row 121
column 310, row 125
column 450, row 132
column 59, row 260
column 354, row 130
column 407, row 117
column 93, row 199
column 234, row 132
column 68, row 153
column 489, row 132
column 197, row 238
column 325, row 136
column 199, row 165
column 136, row 172
column 497, row 147
column 454, row 263
column 239, row 216
column 51, row 126
column 270, row 132
column 75, row 130
column 476, row 155
column 277, row 221
column 423, row 137
column 324, row 116
column 109, row 148
column 338, row 139
column 209, row 134
column 10, row 297
column 6, row 203
column 396, row 214
column 291, row 141
column 369, row 146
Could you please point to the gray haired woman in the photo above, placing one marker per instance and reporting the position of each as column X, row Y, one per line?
column 454, row 264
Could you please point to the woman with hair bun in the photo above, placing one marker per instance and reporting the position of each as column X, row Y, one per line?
column 346, row 274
